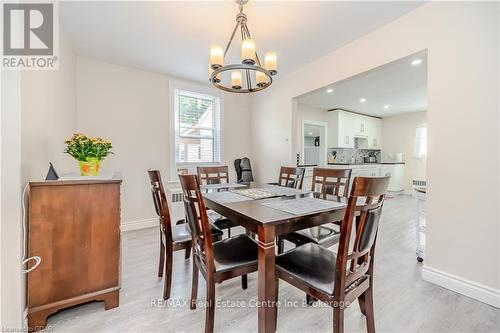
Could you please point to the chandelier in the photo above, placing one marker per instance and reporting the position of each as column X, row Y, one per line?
column 250, row 75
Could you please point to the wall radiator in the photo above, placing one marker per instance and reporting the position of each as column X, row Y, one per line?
column 419, row 182
column 175, row 203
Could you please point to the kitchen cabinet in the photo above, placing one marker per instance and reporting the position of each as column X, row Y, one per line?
column 344, row 126
column 362, row 170
column 360, row 125
column 340, row 129
column 366, row 171
column 397, row 173
column 374, row 133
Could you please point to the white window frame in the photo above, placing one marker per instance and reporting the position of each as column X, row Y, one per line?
column 203, row 91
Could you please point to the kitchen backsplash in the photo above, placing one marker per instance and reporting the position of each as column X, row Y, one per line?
column 344, row 155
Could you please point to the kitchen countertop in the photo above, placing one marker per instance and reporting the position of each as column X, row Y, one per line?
column 362, row 163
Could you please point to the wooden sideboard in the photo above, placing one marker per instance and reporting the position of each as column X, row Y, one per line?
column 74, row 226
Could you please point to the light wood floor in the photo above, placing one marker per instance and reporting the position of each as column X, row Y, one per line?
column 403, row 302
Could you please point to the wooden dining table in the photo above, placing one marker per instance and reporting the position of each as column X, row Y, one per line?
column 267, row 223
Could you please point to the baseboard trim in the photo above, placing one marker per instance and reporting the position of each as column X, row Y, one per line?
column 462, row 286
column 139, row 224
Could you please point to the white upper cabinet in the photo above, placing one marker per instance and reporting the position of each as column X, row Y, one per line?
column 361, row 125
column 344, row 126
column 340, row 129
column 374, row 133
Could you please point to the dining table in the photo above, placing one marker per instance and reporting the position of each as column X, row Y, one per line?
column 265, row 210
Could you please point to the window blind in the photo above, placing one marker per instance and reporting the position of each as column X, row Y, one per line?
column 198, row 135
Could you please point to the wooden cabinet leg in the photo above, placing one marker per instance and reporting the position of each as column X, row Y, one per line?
column 38, row 320
column 37, row 317
column 111, row 300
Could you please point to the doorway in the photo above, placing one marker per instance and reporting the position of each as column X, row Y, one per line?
column 314, row 142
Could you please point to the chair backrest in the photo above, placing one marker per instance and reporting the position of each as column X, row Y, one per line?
column 196, row 216
column 213, row 175
column 237, row 168
column 243, row 170
column 183, row 171
column 160, row 202
column 327, row 181
column 355, row 256
column 291, row 177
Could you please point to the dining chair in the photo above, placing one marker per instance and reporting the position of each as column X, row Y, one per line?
column 172, row 237
column 291, row 177
column 208, row 175
column 338, row 279
column 217, row 261
column 328, row 184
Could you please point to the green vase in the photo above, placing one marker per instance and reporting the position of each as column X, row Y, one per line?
column 90, row 167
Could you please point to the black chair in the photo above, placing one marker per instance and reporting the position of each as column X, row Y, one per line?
column 217, row 261
column 243, row 170
column 216, row 175
column 172, row 237
column 326, row 184
column 339, row 279
column 291, row 177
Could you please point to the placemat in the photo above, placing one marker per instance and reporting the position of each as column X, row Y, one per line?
column 303, row 206
column 225, row 197
column 283, row 190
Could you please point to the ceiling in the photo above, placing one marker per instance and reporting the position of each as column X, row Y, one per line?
column 395, row 88
column 175, row 37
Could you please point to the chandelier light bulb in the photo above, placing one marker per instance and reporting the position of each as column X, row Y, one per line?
column 261, row 79
column 271, row 62
column 236, row 78
column 248, row 51
column 216, row 56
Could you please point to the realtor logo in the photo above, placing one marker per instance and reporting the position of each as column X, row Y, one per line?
column 29, row 35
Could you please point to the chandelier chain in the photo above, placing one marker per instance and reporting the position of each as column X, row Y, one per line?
column 231, row 39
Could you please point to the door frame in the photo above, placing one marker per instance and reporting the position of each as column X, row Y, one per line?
column 323, row 146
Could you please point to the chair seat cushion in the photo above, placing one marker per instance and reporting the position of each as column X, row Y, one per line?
column 181, row 232
column 220, row 221
column 310, row 263
column 325, row 235
column 234, row 252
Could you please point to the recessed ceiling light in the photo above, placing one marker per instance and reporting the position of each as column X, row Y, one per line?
column 362, row 100
column 416, row 62
column 329, row 90
column 310, row 133
column 386, row 106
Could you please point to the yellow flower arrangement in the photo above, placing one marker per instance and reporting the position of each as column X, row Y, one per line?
column 89, row 151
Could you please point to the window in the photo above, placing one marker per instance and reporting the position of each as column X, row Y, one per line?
column 420, row 149
column 197, row 128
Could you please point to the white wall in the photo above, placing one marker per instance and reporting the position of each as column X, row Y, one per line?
column 398, row 135
column 11, row 305
column 463, row 102
column 38, row 113
column 130, row 107
column 48, row 115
